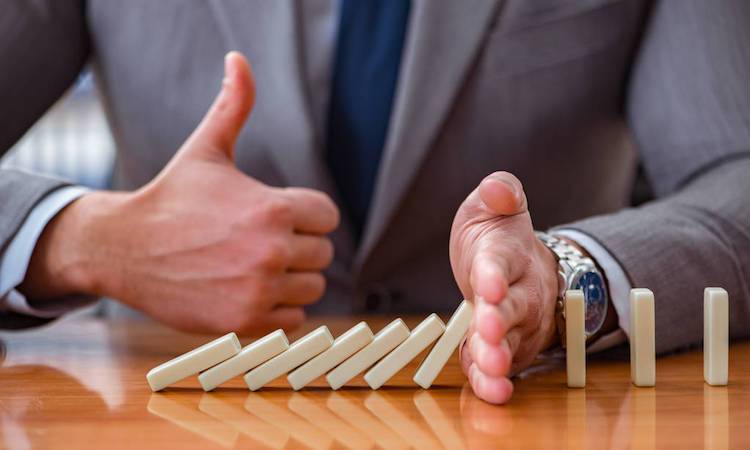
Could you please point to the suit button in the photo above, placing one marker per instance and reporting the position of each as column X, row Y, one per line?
column 381, row 299
column 372, row 301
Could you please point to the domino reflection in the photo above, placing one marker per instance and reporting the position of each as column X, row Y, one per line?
column 350, row 419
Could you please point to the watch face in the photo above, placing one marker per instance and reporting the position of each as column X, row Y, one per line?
column 592, row 285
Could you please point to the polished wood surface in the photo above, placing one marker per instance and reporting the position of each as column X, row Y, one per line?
column 81, row 384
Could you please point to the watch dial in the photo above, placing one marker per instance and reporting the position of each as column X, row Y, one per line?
column 592, row 285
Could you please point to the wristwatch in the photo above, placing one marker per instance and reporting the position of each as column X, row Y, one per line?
column 576, row 271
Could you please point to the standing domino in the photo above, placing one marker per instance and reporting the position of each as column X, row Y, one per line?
column 192, row 362
column 303, row 349
column 456, row 329
column 423, row 335
column 715, row 336
column 642, row 338
column 343, row 347
column 248, row 358
column 575, row 338
column 384, row 341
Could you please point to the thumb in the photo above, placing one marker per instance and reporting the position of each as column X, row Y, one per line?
column 220, row 127
column 502, row 194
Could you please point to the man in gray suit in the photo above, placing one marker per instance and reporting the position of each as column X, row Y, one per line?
column 235, row 230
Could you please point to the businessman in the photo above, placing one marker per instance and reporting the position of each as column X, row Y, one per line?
column 398, row 157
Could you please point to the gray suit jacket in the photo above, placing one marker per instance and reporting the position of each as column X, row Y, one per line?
column 565, row 94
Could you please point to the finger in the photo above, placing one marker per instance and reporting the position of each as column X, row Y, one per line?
column 288, row 318
column 502, row 194
column 493, row 270
column 314, row 211
column 301, row 288
column 493, row 322
column 497, row 390
column 492, row 360
column 218, row 131
column 464, row 352
column 310, row 252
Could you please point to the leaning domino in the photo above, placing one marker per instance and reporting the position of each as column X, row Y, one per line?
column 423, row 335
column 715, row 336
column 304, row 349
column 343, row 347
column 642, row 338
column 575, row 338
column 194, row 361
column 455, row 330
column 384, row 341
column 248, row 358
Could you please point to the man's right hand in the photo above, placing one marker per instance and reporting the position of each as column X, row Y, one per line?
column 203, row 247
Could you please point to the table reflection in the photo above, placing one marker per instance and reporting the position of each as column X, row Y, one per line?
column 715, row 417
column 24, row 409
column 627, row 418
column 317, row 419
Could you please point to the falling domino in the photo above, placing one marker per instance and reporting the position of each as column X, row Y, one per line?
column 194, row 361
column 642, row 338
column 302, row 350
column 575, row 338
column 343, row 347
column 423, row 335
column 248, row 358
column 715, row 336
column 384, row 341
column 456, row 329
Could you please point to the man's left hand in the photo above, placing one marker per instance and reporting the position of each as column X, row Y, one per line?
column 499, row 263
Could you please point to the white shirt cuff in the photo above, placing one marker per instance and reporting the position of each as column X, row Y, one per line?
column 618, row 284
column 14, row 262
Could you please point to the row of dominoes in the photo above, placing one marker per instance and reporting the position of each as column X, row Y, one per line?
column 643, row 337
column 318, row 353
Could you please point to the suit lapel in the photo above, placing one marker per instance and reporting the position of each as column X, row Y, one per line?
column 443, row 40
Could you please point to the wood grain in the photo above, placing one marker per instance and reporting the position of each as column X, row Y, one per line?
column 81, row 384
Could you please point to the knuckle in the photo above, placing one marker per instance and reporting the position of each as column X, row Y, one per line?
column 326, row 252
column 278, row 210
column 274, row 255
column 316, row 286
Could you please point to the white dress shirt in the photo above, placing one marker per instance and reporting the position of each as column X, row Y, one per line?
column 15, row 260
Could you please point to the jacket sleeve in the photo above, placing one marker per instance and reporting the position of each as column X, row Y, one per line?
column 689, row 108
column 44, row 45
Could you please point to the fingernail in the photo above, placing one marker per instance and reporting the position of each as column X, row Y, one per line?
column 228, row 69
column 512, row 188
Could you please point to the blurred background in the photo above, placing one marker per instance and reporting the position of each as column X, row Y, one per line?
column 71, row 141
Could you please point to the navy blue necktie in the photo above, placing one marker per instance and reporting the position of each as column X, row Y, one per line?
column 368, row 54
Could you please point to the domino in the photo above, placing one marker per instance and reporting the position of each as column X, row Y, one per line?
column 304, row 349
column 642, row 338
column 575, row 338
column 192, row 362
column 384, row 341
column 248, row 358
column 715, row 336
column 456, row 329
column 423, row 335
column 343, row 347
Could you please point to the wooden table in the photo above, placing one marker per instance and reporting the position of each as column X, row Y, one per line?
column 81, row 384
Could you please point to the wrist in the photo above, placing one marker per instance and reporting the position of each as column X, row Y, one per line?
column 551, row 282
column 65, row 260
column 610, row 322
